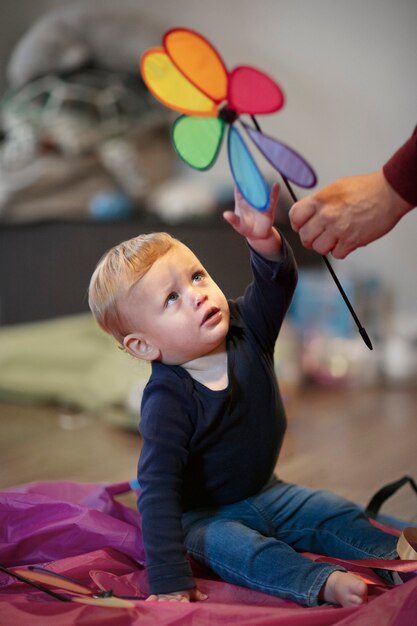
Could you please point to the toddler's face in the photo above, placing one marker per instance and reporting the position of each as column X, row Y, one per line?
column 178, row 308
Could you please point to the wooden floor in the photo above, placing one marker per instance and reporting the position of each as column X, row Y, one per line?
column 351, row 442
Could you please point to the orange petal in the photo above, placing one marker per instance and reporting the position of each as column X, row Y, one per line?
column 197, row 59
column 171, row 87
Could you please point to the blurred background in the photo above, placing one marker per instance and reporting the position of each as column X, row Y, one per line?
column 86, row 161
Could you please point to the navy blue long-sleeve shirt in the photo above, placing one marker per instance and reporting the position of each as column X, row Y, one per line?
column 203, row 447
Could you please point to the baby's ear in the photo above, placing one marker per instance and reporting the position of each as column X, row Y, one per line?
column 138, row 347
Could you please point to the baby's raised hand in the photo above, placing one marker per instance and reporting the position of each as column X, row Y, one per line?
column 250, row 222
column 188, row 595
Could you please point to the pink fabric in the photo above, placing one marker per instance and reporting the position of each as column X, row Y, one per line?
column 80, row 530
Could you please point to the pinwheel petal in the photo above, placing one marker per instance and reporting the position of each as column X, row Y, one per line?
column 112, row 602
column 246, row 174
column 170, row 86
column 198, row 60
column 197, row 140
column 251, row 91
column 52, row 579
column 283, row 158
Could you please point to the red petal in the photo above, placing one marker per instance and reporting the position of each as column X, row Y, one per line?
column 251, row 91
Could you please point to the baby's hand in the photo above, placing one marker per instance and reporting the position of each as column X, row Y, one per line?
column 257, row 226
column 250, row 222
column 189, row 595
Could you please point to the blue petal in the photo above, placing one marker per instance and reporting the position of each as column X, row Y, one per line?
column 245, row 172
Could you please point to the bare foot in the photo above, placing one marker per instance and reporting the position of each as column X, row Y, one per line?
column 345, row 589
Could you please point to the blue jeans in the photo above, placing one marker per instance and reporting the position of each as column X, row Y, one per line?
column 255, row 542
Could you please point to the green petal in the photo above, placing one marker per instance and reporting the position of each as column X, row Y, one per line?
column 197, row 140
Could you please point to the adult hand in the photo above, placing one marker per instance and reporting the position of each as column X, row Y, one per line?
column 347, row 214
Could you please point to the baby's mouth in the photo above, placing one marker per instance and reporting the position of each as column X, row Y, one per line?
column 210, row 313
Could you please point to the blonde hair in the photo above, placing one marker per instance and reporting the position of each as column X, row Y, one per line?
column 118, row 269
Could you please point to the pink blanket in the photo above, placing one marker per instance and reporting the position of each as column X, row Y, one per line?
column 82, row 531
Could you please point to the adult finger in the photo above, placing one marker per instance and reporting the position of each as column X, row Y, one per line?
column 324, row 243
column 301, row 212
column 309, row 232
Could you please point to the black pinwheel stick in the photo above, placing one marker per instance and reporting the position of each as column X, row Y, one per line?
column 361, row 329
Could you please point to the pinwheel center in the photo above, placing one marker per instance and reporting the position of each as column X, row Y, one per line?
column 227, row 115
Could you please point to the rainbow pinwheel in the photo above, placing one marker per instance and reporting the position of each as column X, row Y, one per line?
column 188, row 75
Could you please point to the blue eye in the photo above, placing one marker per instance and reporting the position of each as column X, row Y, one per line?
column 173, row 297
column 198, row 276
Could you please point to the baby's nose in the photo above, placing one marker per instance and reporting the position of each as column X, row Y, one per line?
column 199, row 298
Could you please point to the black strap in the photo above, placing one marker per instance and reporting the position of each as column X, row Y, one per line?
column 386, row 492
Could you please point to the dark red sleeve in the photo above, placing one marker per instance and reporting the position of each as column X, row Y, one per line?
column 401, row 170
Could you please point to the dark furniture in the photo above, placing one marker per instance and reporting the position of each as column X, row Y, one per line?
column 45, row 267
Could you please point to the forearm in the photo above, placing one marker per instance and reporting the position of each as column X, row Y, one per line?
column 401, row 171
column 395, row 203
column 267, row 299
column 168, row 569
column 160, row 504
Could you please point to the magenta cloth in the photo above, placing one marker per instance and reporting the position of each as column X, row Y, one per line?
column 81, row 530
